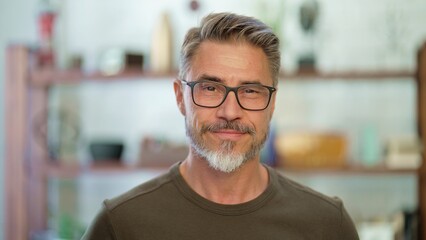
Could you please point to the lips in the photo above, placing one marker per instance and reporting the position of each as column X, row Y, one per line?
column 228, row 128
column 228, row 134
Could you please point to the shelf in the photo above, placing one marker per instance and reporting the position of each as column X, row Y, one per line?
column 349, row 170
column 45, row 77
column 110, row 167
column 350, row 75
column 72, row 171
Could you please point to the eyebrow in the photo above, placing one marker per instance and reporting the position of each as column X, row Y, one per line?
column 210, row 78
column 219, row 80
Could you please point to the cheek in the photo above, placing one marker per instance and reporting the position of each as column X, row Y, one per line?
column 189, row 106
column 261, row 122
column 197, row 114
column 194, row 117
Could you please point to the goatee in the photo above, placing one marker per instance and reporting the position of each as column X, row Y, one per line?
column 224, row 159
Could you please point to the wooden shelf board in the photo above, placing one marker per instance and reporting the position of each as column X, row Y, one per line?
column 349, row 170
column 350, row 75
column 71, row 171
column 113, row 166
column 45, row 77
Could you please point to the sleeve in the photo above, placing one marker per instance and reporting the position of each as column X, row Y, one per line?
column 347, row 227
column 100, row 228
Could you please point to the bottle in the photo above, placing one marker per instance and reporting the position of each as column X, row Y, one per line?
column 370, row 146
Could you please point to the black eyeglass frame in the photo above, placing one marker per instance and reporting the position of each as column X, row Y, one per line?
column 229, row 89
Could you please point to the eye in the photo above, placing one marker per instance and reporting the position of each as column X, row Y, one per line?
column 251, row 90
column 210, row 88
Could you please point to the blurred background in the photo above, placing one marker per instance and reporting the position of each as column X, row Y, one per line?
column 89, row 110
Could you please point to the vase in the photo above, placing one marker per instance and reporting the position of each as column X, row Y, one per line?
column 162, row 49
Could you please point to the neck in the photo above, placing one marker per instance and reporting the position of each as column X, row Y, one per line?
column 242, row 185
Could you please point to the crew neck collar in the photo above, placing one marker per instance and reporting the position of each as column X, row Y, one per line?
column 224, row 209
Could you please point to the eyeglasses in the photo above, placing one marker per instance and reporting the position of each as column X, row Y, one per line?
column 210, row 94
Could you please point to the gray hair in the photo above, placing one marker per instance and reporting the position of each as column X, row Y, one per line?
column 222, row 27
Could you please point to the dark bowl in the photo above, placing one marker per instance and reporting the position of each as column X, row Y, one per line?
column 106, row 150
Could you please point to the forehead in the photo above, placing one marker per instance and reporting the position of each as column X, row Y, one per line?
column 232, row 62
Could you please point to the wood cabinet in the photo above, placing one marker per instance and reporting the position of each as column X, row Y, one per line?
column 26, row 165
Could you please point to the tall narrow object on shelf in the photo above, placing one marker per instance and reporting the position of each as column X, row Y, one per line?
column 162, row 46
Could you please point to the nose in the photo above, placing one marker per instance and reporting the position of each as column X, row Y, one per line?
column 230, row 109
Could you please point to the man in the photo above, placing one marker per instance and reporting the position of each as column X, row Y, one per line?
column 226, row 92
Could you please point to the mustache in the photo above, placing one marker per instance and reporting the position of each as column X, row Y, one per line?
column 232, row 125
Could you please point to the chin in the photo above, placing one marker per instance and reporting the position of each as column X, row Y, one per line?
column 226, row 163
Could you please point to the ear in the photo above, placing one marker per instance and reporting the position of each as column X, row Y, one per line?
column 177, row 86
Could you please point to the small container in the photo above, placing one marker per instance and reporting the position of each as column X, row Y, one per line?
column 106, row 151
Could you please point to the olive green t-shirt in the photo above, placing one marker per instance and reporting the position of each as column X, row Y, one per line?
column 167, row 208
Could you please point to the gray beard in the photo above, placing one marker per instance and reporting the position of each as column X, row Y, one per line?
column 224, row 159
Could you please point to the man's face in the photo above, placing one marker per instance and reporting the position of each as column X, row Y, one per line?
column 226, row 136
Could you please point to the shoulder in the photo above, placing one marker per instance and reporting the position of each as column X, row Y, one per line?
column 314, row 207
column 297, row 190
column 140, row 192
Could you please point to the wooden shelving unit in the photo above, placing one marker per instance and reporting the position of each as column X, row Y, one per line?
column 27, row 168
